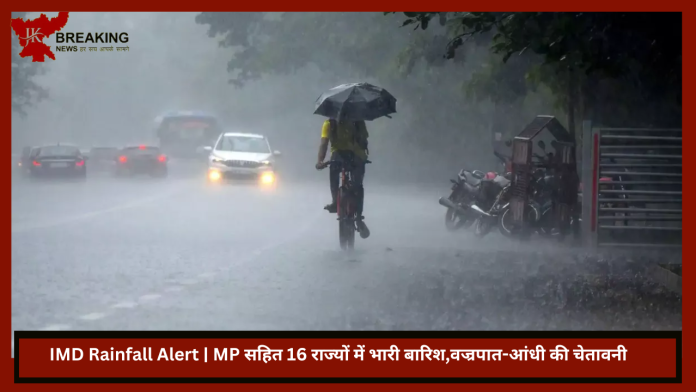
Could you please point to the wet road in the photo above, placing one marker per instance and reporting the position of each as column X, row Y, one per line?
column 178, row 254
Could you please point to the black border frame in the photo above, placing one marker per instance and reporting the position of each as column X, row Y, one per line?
column 670, row 335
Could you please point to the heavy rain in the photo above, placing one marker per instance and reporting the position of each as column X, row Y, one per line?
column 174, row 185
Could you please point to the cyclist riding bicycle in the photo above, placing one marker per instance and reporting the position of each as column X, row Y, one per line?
column 348, row 144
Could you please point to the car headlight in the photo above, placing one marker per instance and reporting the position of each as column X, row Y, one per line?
column 267, row 178
column 216, row 160
column 266, row 163
column 214, row 175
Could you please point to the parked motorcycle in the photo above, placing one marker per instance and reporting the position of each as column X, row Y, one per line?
column 540, row 195
column 493, row 199
column 492, row 202
column 539, row 218
column 484, row 197
column 464, row 190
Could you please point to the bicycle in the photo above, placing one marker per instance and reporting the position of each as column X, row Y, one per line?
column 345, row 203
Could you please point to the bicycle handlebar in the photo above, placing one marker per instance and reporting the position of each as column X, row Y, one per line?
column 327, row 163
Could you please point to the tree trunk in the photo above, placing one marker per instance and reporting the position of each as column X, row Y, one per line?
column 572, row 99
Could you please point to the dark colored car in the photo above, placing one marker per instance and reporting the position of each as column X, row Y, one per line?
column 102, row 158
column 57, row 161
column 24, row 161
column 147, row 160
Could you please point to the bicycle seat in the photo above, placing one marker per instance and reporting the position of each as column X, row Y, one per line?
column 346, row 163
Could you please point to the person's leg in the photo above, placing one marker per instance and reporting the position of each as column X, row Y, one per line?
column 358, row 176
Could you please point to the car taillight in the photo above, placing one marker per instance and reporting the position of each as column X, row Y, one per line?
column 80, row 163
column 162, row 158
column 35, row 163
column 122, row 159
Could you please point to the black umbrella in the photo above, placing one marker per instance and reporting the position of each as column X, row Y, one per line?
column 356, row 101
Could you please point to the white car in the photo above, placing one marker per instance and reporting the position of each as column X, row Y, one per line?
column 242, row 156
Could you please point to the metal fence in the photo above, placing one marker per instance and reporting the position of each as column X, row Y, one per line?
column 632, row 187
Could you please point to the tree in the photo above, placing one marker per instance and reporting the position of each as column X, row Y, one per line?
column 635, row 57
column 25, row 92
column 282, row 43
column 434, row 112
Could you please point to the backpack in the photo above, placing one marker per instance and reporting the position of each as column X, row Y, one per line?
column 333, row 133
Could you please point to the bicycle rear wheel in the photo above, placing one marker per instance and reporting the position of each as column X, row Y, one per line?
column 346, row 221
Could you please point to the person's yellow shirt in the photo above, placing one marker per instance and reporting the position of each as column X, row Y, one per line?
column 345, row 136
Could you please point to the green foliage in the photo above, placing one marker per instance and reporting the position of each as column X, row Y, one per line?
column 434, row 112
column 639, row 54
column 460, row 75
column 282, row 43
column 607, row 43
column 25, row 92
